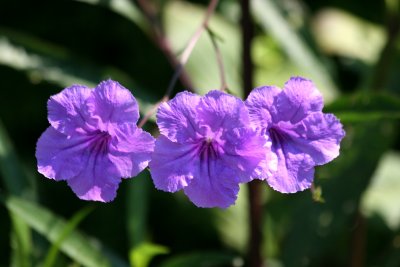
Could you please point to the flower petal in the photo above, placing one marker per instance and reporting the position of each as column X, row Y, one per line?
column 176, row 118
column 295, row 168
column 59, row 156
column 261, row 105
column 299, row 98
column 319, row 135
column 172, row 164
column 98, row 181
column 131, row 150
column 66, row 112
column 248, row 153
column 219, row 110
column 112, row 105
column 214, row 185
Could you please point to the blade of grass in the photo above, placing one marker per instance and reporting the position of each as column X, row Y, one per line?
column 17, row 183
column 21, row 242
column 77, row 246
column 71, row 225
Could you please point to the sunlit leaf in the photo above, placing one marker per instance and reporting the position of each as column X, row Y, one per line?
column 354, row 33
column 382, row 196
column 141, row 255
column 274, row 23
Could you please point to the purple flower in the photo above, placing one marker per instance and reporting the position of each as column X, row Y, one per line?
column 207, row 148
column 93, row 140
column 302, row 136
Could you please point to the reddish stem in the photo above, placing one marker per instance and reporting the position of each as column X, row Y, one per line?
column 179, row 67
column 256, row 209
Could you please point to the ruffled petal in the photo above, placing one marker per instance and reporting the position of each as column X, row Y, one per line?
column 130, row 151
column 261, row 105
column 298, row 99
column 66, row 112
column 98, row 181
column 215, row 185
column 219, row 110
column 248, row 153
column 112, row 105
column 319, row 135
column 59, row 156
column 295, row 168
column 172, row 164
column 176, row 118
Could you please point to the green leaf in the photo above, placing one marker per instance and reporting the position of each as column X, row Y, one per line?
column 273, row 22
column 80, row 248
column 232, row 223
column 354, row 31
column 69, row 227
column 365, row 107
column 203, row 259
column 141, row 255
column 137, row 208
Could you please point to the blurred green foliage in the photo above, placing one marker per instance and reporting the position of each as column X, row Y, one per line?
column 351, row 49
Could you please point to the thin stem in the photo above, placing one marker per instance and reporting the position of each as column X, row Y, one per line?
column 247, row 36
column 152, row 111
column 256, row 209
column 199, row 31
column 358, row 241
column 179, row 68
column 163, row 43
column 220, row 62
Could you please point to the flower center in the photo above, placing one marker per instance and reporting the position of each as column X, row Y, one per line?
column 208, row 149
column 100, row 141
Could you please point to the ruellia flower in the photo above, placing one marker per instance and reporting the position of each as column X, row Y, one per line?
column 93, row 140
column 207, row 148
column 302, row 135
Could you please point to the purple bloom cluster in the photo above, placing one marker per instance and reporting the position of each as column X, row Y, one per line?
column 207, row 145
column 93, row 140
